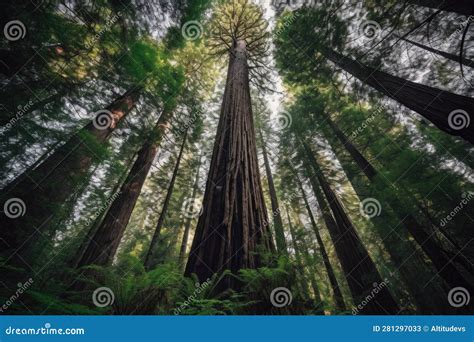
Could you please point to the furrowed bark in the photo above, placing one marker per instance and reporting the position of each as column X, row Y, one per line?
column 234, row 220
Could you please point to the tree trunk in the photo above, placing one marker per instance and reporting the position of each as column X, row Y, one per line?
column 444, row 264
column 74, row 262
column 358, row 267
column 234, row 220
column 336, row 291
column 363, row 163
column 47, row 187
column 187, row 225
column 458, row 6
column 148, row 259
column 450, row 56
column 104, row 244
column 277, row 221
column 449, row 112
column 299, row 260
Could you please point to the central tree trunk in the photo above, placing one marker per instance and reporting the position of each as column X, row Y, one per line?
column 234, row 220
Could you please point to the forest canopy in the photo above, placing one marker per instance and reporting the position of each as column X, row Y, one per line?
column 237, row 157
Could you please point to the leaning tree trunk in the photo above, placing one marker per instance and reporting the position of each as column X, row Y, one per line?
column 103, row 246
column 187, row 225
column 234, row 220
column 149, row 255
column 360, row 160
column 85, row 241
column 336, row 291
column 444, row 264
column 449, row 112
column 465, row 7
column 47, row 187
column 277, row 221
column 450, row 56
column 358, row 267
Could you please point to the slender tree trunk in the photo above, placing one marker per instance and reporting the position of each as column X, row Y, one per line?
column 49, row 185
column 277, row 221
column 458, row 6
column 447, row 111
column 234, row 220
column 104, row 244
column 149, row 255
column 336, row 291
column 444, row 264
column 187, row 225
column 363, row 163
column 450, row 56
column 358, row 267
column 74, row 263
column 299, row 260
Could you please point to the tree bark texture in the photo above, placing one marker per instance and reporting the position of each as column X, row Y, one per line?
column 234, row 220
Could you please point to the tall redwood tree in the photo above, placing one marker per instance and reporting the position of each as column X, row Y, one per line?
column 234, row 222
